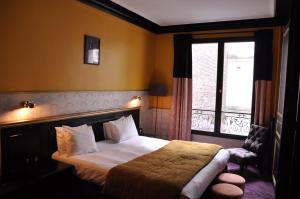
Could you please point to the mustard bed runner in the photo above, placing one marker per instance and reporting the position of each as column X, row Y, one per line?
column 161, row 174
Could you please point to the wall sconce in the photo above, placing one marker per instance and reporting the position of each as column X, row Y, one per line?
column 28, row 104
column 137, row 98
column 135, row 101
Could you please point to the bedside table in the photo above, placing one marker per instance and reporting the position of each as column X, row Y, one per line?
column 40, row 182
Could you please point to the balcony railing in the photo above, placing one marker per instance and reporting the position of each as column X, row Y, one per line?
column 236, row 123
column 203, row 120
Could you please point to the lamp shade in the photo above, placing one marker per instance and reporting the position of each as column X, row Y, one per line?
column 158, row 90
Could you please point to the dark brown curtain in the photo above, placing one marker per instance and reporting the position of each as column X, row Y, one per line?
column 263, row 62
column 181, row 112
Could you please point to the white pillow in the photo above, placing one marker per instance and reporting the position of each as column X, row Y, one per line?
column 106, row 130
column 76, row 128
column 107, row 127
column 122, row 129
column 61, row 147
column 79, row 140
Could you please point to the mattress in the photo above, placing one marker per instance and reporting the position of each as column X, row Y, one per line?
column 95, row 166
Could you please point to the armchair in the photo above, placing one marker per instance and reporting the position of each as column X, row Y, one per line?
column 252, row 150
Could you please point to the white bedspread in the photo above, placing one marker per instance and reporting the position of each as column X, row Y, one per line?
column 94, row 166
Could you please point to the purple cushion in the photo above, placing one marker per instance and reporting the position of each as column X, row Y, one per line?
column 239, row 154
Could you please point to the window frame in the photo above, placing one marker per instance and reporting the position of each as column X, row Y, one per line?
column 219, row 86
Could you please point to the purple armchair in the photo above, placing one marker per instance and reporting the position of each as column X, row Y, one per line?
column 252, row 150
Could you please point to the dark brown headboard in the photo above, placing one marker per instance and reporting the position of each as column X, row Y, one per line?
column 31, row 144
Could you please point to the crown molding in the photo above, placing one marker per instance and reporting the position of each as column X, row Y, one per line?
column 282, row 14
column 123, row 13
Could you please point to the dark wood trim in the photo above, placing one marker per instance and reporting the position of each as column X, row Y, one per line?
column 123, row 13
column 219, row 88
column 282, row 14
column 287, row 164
column 283, row 11
column 219, row 135
column 237, row 24
column 229, row 39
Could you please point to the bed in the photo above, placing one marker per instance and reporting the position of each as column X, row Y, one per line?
column 94, row 167
column 39, row 142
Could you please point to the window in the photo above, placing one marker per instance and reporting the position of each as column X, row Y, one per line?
column 222, row 87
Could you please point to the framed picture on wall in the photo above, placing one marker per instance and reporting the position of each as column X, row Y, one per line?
column 91, row 50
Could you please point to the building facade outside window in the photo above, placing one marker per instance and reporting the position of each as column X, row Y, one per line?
column 222, row 87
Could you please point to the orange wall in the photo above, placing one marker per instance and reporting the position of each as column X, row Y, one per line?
column 41, row 48
column 163, row 70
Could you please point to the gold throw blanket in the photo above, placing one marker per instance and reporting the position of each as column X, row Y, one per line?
column 161, row 174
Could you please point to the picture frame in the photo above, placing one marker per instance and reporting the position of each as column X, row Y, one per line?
column 91, row 50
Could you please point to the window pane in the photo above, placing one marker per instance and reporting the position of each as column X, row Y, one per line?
column 204, row 60
column 237, row 87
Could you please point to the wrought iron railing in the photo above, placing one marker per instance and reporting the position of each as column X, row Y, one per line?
column 237, row 123
column 203, row 120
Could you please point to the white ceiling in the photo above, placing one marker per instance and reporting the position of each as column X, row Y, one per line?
column 177, row 12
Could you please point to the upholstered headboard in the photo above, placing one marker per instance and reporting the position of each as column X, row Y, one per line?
column 31, row 144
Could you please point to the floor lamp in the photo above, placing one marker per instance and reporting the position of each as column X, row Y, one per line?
column 157, row 90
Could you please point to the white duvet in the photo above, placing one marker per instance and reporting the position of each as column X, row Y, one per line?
column 95, row 166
